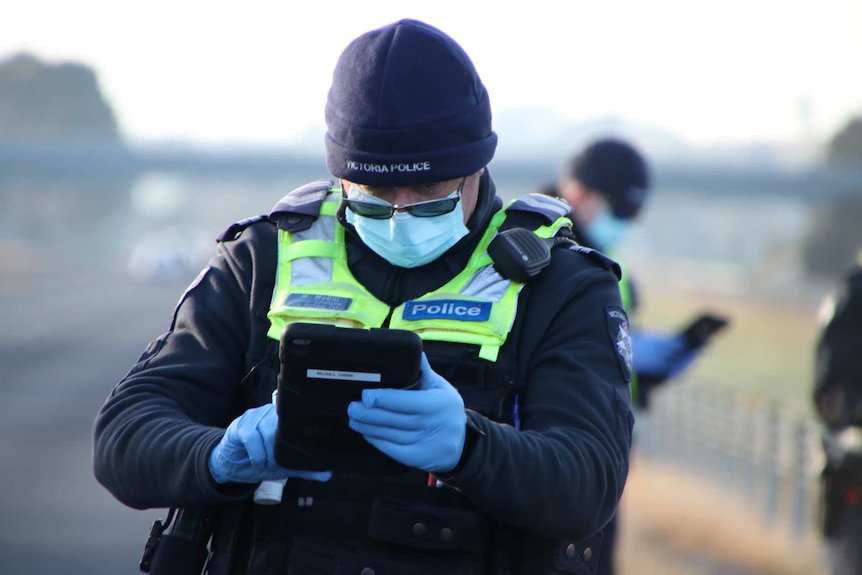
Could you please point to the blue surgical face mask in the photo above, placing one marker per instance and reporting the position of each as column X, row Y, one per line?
column 405, row 240
column 606, row 231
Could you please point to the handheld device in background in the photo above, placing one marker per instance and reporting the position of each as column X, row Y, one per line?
column 702, row 328
column 696, row 334
column 324, row 368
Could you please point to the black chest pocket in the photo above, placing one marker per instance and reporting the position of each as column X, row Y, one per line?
column 486, row 387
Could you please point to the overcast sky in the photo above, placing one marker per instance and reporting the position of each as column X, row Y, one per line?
column 258, row 71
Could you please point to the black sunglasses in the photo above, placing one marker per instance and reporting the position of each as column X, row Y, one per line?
column 428, row 209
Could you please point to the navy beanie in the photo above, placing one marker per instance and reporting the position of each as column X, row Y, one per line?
column 616, row 170
column 407, row 107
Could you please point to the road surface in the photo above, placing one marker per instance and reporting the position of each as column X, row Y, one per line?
column 64, row 343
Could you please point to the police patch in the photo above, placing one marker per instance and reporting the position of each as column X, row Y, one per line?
column 618, row 330
column 461, row 310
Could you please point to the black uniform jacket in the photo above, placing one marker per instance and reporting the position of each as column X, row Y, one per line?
column 561, row 475
column 838, row 373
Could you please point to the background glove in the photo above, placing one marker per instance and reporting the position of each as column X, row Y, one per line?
column 659, row 356
column 245, row 452
column 422, row 428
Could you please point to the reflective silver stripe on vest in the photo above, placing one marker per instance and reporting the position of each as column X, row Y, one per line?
column 487, row 284
column 313, row 270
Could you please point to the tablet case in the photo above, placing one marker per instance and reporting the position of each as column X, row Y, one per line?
column 325, row 367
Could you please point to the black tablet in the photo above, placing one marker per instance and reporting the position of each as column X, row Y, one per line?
column 324, row 368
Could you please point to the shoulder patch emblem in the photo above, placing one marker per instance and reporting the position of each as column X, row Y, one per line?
column 620, row 334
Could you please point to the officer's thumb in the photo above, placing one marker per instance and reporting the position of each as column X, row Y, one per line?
column 430, row 379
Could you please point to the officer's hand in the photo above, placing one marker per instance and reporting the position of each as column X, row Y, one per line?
column 660, row 356
column 245, row 452
column 422, row 428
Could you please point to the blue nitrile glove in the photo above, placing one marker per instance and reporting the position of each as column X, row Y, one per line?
column 660, row 356
column 423, row 428
column 245, row 452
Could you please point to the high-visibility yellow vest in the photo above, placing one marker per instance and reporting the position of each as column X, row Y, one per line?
column 314, row 284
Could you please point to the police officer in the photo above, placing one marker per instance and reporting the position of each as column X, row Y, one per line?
column 517, row 443
column 606, row 184
column 838, row 402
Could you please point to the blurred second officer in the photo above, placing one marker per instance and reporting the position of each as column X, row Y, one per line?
column 606, row 184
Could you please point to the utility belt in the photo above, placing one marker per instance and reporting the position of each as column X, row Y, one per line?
column 343, row 526
column 412, row 485
column 342, row 529
column 421, row 516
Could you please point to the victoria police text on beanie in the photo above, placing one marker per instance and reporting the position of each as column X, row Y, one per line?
column 407, row 107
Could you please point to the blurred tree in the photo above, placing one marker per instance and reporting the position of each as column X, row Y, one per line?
column 42, row 102
column 62, row 160
column 845, row 148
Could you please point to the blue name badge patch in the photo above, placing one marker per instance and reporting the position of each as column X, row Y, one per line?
column 318, row 301
column 459, row 310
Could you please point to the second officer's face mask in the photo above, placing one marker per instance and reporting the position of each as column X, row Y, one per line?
column 606, row 231
column 406, row 240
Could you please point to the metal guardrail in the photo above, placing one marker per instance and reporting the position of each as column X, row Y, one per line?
column 749, row 447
